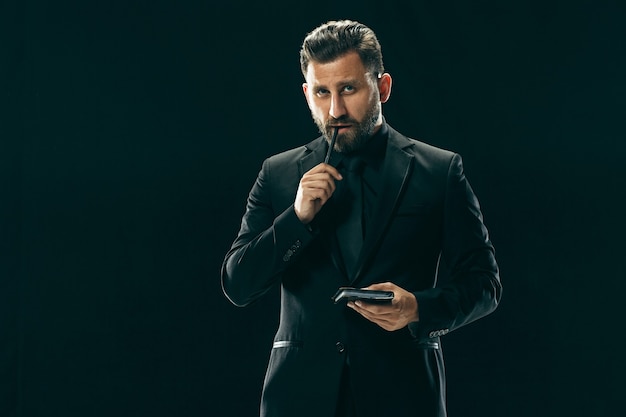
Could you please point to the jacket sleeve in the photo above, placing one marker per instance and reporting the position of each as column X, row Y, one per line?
column 268, row 242
column 474, row 287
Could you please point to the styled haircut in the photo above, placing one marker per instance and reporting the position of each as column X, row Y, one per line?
column 334, row 39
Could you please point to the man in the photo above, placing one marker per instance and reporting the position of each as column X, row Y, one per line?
column 411, row 205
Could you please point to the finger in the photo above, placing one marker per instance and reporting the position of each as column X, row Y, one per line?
column 382, row 286
column 322, row 182
column 325, row 168
column 384, row 322
column 318, row 188
column 316, row 197
column 333, row 171
column 379, row 309
column 373, row 312
column 322, row 179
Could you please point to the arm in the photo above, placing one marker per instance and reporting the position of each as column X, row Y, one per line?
column 269, row 241
column 474, row 289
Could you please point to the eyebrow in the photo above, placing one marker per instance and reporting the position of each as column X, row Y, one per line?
column 342, row 83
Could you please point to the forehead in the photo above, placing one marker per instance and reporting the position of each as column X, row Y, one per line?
column 345, row 68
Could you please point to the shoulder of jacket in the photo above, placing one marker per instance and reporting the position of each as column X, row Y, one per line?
column 297, row 153
column 420, row 148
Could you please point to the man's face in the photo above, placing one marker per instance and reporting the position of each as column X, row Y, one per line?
column 342, row 94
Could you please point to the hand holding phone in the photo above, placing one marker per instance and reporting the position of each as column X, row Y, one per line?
column 368, row 296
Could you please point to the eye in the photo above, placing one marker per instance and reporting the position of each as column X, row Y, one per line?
column 322, row 92
column 348, row 89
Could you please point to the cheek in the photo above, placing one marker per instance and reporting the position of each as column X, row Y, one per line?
column 317, row 108
column 360, row 105
column 357, row 110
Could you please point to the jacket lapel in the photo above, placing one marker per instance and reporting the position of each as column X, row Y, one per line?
column 395, row 174
column 314, row 156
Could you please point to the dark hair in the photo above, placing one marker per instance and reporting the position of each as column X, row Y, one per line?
column 334, row 39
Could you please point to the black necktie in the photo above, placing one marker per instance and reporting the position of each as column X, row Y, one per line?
column 350, row 226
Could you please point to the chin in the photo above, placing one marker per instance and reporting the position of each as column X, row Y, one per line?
column 348, row 146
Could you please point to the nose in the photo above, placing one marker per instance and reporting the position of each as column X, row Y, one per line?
column 337, row 106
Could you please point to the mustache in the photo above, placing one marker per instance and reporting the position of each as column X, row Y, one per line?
column 330, row 124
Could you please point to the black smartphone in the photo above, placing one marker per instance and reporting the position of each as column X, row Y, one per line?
column 369, row 296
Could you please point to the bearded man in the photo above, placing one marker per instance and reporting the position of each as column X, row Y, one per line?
column 362, row 206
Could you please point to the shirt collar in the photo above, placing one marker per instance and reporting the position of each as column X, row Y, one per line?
column 373, row 152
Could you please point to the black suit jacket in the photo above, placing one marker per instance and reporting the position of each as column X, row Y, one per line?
column 427, row 213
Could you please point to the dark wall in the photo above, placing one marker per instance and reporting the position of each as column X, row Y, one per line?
column 132, row 131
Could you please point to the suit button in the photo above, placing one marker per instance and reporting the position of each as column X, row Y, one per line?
column 340, row 347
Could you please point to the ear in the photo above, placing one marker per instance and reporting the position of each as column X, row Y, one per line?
column 384, row 87
column 305, row 90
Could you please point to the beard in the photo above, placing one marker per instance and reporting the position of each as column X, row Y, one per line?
column 357, row 136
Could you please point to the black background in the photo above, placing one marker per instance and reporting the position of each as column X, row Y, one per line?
column 131, row 132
